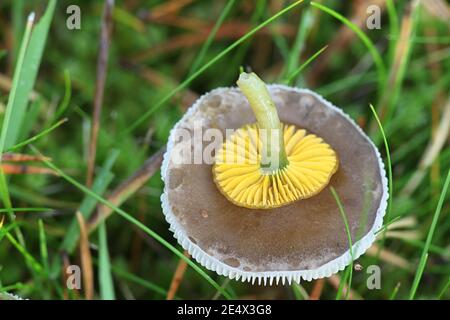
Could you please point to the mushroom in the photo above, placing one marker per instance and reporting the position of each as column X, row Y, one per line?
column 261, row 209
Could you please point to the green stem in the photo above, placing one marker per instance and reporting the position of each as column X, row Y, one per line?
column 273, row 152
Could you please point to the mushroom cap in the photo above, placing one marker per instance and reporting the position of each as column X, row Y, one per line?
column 303, row 240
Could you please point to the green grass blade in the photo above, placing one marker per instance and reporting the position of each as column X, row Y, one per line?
column 394, row 292
column 363, row 37
column 28, row 73
column 201, row 55
column 387, row 224
column 239, row 55
column 122, row 16
column 142, row 282
column 36, row 137
column 28, row 257
column 88, row 204
column 295, row 73
column 15, row 92
column 388, row 158
column 138, row 224
column 443, row 252
column 31, row 117
column 342, row 283
column 5, row 229
column 299, row 292
column 8, row 119
column 104, row 265
column 185, row 83
column 26, row 210
column 444, row 289
column 394, row 26
column 424, row 256
column 299, row 42
column 389, row 168
column 43, row 246
column 67, row 96
column 16, row 286
column 349, row 236
column 390, row 179
column 394, row 93
column 282, row 45
column 347, row 83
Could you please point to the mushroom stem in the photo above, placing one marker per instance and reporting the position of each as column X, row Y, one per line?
column 273, row 151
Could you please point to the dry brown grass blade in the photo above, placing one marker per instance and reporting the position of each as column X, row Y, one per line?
column 156, row 78
column 389, row 257
column 344, row 37
column 431, row 153
column 404, row 234
column 168, row 8
column 102, row 64
column 159, row 79
column 25, row 169
column 438, row 102
column 335, row 280
column 404, row 228
column 439, row 9
column 405, row 222
column 17, row 157
column 316, row 291
column 177, row 277
column 187, row 23
column 128, row 187
column 65, row 276
column 86, row 259
column 229, row 30
column 401, row 52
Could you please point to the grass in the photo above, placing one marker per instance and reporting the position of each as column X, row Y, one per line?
column 389, row 99
column 207, row 65
column 299, row 292
column 304, row 28
column 43, row 247
column 349, row 269
column 393, row 25
column 444, row 289
column 294, row 74
column 4, row 193
column 424, row 256
column 104, row 265
column 161, row 292
column 47, row 87
column 381, row 69
column 201, row 55
column 32, row 49
column 36, row 137
column 67, row 95
column 389, row 167
column 87, row 206
column 137, row 223
column 29, row 259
